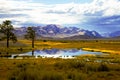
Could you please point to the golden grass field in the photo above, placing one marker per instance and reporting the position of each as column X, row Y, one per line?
column 101, row 44
column 61, row 69
column 106, row 46
column 109, row 46
column 104, row 67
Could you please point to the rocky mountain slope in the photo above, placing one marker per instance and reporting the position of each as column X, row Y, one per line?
column 57, row 31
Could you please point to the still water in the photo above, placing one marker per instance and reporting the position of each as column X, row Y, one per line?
column 57, row 53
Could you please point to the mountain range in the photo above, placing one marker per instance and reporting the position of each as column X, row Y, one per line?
column 112, row 34
column 57, row 31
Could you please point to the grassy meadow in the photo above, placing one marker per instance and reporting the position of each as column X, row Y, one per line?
column 108, row 46
column 86, row 67
column 61, row 69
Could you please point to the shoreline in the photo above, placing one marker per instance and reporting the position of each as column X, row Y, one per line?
column 101, row 50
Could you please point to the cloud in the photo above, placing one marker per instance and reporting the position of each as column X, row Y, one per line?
column 99, row 21
column 98, row 12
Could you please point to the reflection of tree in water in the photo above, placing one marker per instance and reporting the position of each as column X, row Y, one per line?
column 32, row 52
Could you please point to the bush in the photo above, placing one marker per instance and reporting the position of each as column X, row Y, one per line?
column 91, row 67
column 74, row 75
column 103, row 67
column 59, row 65
column 77, row 64
column 52, row 76
column 44, row 40
column 34, row 74
column 26, row 75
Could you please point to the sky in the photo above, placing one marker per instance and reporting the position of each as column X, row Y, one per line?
column 99, row 15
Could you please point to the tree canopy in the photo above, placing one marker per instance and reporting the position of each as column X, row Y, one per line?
column 7, row 29
column 30, row 35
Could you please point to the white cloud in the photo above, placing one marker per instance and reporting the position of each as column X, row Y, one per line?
column 71, row 13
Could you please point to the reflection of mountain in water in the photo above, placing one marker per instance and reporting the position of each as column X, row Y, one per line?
column 51, row 51
column 58, row 53
column 73, row 50
column 55, row 51
column 47, row 51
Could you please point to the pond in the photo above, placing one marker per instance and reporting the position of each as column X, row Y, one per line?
column 56, row 53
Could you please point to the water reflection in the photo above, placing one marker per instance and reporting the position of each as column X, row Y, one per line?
column 55, row 53
column 32, row 52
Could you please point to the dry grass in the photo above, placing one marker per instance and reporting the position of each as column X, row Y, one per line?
column 61, row 69
column 109, row 46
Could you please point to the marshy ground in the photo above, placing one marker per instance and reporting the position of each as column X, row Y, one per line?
column 87, row 67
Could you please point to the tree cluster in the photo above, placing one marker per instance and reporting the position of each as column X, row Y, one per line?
column 7, row 29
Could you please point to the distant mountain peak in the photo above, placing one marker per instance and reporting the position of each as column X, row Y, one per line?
column 112, row 34
column 115, row 34
column 58, row 31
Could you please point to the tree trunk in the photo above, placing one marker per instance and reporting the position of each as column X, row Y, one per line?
column 7, row 43
column 33, row 43
column 8, row 40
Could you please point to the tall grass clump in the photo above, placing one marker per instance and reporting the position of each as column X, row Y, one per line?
column 91, row 67
column 77, row 64
column 52, row 75
column 75, row 75
column 24, row 75
column 103, row 67
column 34, row 74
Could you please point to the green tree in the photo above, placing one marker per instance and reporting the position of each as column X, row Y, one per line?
column 30, row 35
column 7, row 29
